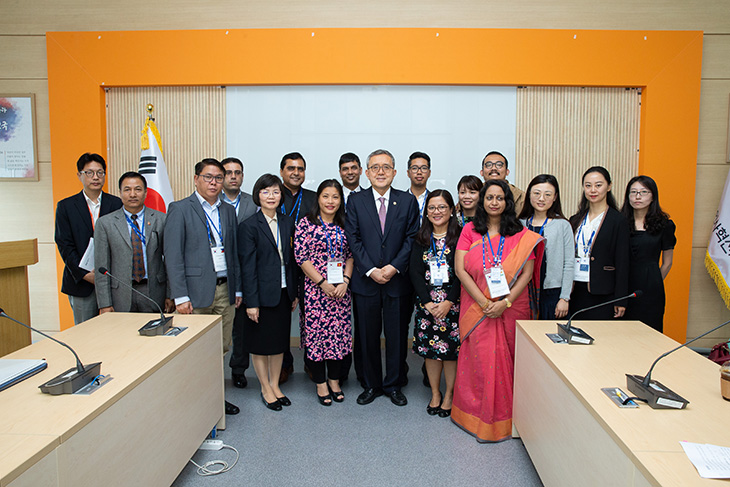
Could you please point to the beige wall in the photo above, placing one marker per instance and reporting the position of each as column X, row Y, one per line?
column 28, row 207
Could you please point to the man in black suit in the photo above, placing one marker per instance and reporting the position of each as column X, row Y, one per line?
column 75, row 220
column 297, row 202
column 381, row 224
column 245, row 207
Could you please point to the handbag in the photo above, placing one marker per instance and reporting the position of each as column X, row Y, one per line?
column 720, row 353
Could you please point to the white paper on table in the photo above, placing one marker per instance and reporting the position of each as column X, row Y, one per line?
column 711, row 461
column 87, row 260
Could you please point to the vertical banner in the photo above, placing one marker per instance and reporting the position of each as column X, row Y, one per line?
column 152, row 167
column 717, row 259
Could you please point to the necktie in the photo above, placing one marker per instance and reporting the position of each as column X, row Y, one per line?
column 381, row 214
column 137, row 253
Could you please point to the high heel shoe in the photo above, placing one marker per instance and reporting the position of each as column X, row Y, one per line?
column 337, row 396
column 444, row 413
column 274, row 406
column 323, row 400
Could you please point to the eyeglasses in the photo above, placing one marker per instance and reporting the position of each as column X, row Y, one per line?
column 490, row 164
column 234, row 173
column 265, row 193
column 209, row 178
column 416, row 169
column 90, row 174
column 437, row 209
column 538, row 194
column 377, row 169
column 644, row 193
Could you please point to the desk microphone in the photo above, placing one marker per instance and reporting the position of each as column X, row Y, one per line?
column 154, row 327
column 74, row 378
column 653, row 392
column 574, row 335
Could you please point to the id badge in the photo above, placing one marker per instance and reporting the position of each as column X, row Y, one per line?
column 283, row 277
column 582, row 269
column 497, row 282
column 439, row 272
column 335, row 274
column 219, row 259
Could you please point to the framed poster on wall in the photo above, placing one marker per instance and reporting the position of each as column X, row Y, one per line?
column 18, row 154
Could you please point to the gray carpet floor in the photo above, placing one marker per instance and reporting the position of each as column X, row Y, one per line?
column 348, row 444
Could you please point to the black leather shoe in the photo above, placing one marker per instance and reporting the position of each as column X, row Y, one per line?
column 274, row 406
column 284, row 401
column 368, row 396
column 232, row 408
column 444, row 413
column 239, row 380
column 398, row 398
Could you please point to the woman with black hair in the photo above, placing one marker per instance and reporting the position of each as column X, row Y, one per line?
column 321, row 249
column 496, row 259
column 468, row 189
column 543, row 214
column 436, row 328
column 601, row 271
column 652, row 238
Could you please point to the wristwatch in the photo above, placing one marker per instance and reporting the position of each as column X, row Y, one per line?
column 509, row 304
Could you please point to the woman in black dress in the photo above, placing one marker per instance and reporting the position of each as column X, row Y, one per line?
column 269, row 275
column 436, row 329
column 601, row 271
column 652, row 238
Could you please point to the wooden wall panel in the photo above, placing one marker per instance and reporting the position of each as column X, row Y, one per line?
column 23, row 57
column 192, row 125
column 40, row 16
column 713, row 132
column 565, row 130
column 44, row 290
column 715, row 55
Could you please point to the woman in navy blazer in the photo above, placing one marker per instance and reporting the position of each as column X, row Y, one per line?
column 269, row 275
column 601, row 271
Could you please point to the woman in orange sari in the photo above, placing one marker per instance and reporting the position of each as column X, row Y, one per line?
column 496, row 258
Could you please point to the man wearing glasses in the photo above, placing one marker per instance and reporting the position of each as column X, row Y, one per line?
column 75, row 220
column 419, row 170
column 200, row 252
column 494, row 166
column 381, row 223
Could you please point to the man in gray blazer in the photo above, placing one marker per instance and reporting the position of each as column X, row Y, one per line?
column 200, row 252
column 245, row 207
column 116, row 236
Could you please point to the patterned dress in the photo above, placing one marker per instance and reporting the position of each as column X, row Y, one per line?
column 326, row 332
column 432, row 338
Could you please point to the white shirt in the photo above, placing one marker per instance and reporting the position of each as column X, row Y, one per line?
column 421, row 203
column 377, row 197
column 140, row 223
column 93, row 208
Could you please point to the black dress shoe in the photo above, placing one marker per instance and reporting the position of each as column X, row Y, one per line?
column 232, row 408
column 368, row 396
column 398, row 398
column 239, row 380
column 274, row 406
column 434, row 410
column 444, row 413
column 284, row 401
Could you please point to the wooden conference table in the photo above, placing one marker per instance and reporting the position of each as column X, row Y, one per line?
column 139, row 429
column 575, row 435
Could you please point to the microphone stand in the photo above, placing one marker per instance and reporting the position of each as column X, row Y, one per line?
column 573, row 335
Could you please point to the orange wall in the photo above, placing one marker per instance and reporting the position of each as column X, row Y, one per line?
column 666, row 64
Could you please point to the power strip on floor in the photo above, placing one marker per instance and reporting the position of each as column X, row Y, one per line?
column 211, row 445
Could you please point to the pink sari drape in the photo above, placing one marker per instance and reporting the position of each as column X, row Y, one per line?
column 483, row 391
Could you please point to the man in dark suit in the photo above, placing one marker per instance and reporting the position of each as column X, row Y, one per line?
column 297, row 202
column 75, row 220
column 129, row 242
column 200, row 252
column 245, row 207
column 380, row 225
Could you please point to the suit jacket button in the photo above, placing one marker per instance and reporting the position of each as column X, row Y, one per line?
column 382, row 246
column 593, row 258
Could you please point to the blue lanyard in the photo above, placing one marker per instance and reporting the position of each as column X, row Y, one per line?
column 463, row 222
column 496, row 260
column 586, row 247
column 420, row 209
column 439, row 258
column 331, row 250
column 297, row 205
column 238, row 202
column 136, row 230
column 542, row 228
column 218, row 230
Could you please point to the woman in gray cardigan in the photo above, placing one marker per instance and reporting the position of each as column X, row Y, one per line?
column 543, row 214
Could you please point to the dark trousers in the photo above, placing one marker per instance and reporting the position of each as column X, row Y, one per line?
column 317, row 368
column 239, row 361
column 548, row 301
column 391, row 315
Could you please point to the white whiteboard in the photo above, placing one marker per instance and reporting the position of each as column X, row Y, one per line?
column 455, row 125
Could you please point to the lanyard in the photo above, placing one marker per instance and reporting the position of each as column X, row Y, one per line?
column 237, row 202
column 332, row 249
column 422, row 205
column 496, row 260
column 218, row 230
column 586, row 247
column 542, row 227
column 463, row 222
column 136, row 230
column 439, row 258
column 297, row 204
